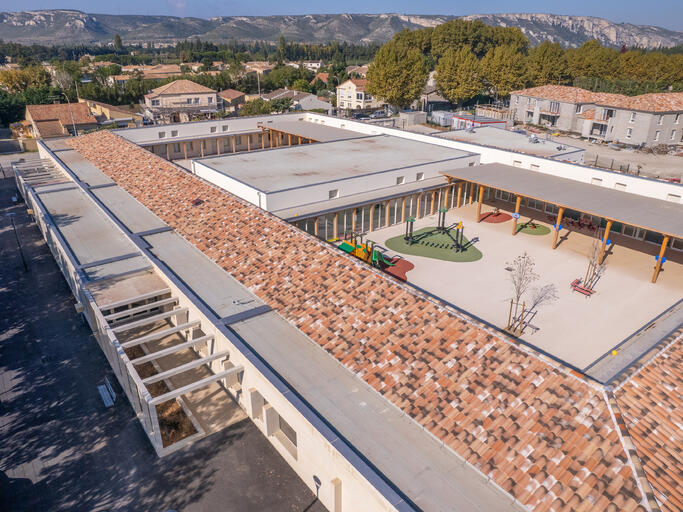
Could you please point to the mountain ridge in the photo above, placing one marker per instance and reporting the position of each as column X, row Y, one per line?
column 59, row 25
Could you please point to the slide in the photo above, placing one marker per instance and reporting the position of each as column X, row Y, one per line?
column 378, row 257
column 346, row 247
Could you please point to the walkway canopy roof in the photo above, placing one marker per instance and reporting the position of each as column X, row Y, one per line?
column 657, row 215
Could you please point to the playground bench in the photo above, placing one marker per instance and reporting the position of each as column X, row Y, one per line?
column 576, row 286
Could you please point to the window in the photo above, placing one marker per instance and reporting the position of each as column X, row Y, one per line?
column 210, row 100
column 596, row 181
column 579, row 108
column 419, row 176
column 213, row 129
column 471, row 164
column 238, row 140
column 629, row 131
column 673, row 134
column 176, row 148
column 196, row 100
column 675, row 198
column 633, row 118
column 191, row 146
column 620, row 186
column 657, row 135
column 341, row 104
column 189, row 100
column 162, row 135
column 287, row 430
column 359, row 95
column 333, row 194
column 554, row 107
column 533, row 167
column 516, row 100
column 155, row 103
column 174, row 133
column 660, row 120
column 517, row 163
column 400, row 180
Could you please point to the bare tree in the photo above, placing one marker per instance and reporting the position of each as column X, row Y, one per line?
column 595, row 268
column 522, row 274
column 546, row 294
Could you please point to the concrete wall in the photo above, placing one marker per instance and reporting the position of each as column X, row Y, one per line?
column 634, row 184
column 230, row 184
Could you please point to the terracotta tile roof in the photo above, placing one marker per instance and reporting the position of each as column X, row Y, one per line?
column 653, row 102
column 180, row 87
column 230, row 94
column 323, row 77
column 52, row 128
column 651, row 403
column 588, row 114
column 360, row 83
column 61, row 112
column 544, row 435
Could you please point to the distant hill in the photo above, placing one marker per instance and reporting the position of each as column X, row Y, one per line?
column 68, row 26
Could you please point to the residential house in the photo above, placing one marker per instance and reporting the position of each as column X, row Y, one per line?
column 360, row 71
column 323, row 77
column 59, row 119
column 648, row 119
column 260, row 67
column 180, row 100
column 230, row 99
column 300, row 100
column 351, row 95
column 313, row 65
column 431, row 100
column 122, row 115
column 157, row 72
column 193, row 66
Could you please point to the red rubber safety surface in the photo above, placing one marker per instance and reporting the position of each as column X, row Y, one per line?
column 400, row 269
column 495, row 218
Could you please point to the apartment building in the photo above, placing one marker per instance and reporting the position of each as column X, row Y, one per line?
column 180, row 100
column 648, row 119
column 351, row 95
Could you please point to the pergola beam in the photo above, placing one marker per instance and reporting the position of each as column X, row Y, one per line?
column 132, row 300
column 148, row 320
column 171, row 350
column 195, row 385
column 160, row 334
column 184, row 367
column 140, row 309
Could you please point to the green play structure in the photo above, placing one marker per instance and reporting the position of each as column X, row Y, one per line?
column 430, row 243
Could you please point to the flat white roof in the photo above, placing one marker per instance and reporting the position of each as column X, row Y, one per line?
column 308, row 164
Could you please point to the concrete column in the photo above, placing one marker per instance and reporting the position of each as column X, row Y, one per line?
column 249, row 142
column 201, row 147
column 604, row 242
column 518, row 202
column 218, row 146
column 662, row 251
column 557, row 226
column 232, row 143
column 481, row 198
column 185, row 149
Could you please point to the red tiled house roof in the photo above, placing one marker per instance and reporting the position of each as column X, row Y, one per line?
column 230, row 94
column 180, row 87
column 61, row 112
column 542, row 434
column 650, row 403
column 653, row 102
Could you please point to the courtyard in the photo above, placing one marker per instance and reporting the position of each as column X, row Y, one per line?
column 574, row 328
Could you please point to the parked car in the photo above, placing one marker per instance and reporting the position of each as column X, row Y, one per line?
column 360, row 116
column 378, row 114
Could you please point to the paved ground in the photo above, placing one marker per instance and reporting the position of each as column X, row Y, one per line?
column 574, row 328
column 62, row 450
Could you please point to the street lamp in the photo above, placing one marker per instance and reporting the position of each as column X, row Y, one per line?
column 73, row 123
column 16, row 235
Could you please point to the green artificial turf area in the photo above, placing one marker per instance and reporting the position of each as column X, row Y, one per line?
column 526, row 227
column 439, row 246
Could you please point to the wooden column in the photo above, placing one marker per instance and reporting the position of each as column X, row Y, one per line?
column 353, row 220
column 232, row 143
column 310, row 141
column 185, row 149
column 336, row 225
column 299, row 142
column 459, row 194
column 403, row 209
column 270, row 138
column 201, row 147
column 315, row 226
column 557, row 226
column 168, row 153
column 289, row 139
column 604, row 242
column 481, row 198
column 445, row 197
column 514, row 220
column 263, row 139
column 417, row 210
column 372, row 216
column 431, row 210
column 387, row 212
column 218, row 146
column 662, row 251
column 471, row 192
column 248, row 142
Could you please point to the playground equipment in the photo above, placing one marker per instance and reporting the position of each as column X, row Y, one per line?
column 368, row 252
column 457, row 238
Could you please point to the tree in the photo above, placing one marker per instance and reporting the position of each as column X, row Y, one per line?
column 118, row 44
column 457, row 75
column 593, row 60
column 397, row 74
column 522, row 274
column 504, row 69
column 17, row 80
column 547, row 64
column 281, row 104
column 302, row 85
column 281, row 50
column 256, row 107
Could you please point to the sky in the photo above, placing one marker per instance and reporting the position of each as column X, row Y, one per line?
column 668, row 13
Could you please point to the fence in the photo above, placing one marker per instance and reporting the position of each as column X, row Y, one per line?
column 610, row 163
